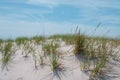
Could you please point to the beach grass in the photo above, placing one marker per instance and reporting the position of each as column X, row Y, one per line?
column 95, row 52
column 7, row 54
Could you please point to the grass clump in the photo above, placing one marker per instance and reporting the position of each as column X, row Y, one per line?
column 68, row 38
column 99, row 67
column 79, row 43
column 49, row 47
column 97, row 55
column 7, row 54
column 38, row 39
column 9, row 40
column 102, row 61
column 1, row 42
column 54, row 60
column 21, row 40
column 27, row 49
column 53, row 55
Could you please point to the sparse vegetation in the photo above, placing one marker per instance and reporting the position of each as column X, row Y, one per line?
column 38, row 39
column 21, row 40
column 79, row 43
column 54, row 57
column 55, row 61
column 68, row 38
column 47, row 49
column 95, row 52
column 7, row 54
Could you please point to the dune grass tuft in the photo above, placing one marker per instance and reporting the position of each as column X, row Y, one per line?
column 38, row 39
column 79, row 43
column 7, row 54
column 21, row 40
column 54, row 60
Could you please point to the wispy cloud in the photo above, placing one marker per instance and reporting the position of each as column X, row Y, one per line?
column 97, row 10
column 60, row 16
column 21, row 28
column 79, row 3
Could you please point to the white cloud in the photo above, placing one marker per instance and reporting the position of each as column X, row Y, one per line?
column 112, row 19
column 18, row 13
column 24, row 28
column 79, row 3
column 40, row 24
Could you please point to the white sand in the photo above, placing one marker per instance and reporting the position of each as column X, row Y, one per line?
column 23, row 69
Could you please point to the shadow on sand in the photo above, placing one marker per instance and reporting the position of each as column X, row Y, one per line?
column 58, row 73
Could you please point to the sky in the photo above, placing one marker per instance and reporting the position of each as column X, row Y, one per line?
column 48, row 17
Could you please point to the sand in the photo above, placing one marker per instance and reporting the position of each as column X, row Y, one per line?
column 22, row 68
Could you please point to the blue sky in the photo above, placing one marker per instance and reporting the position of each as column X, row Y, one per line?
column 39, row 17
